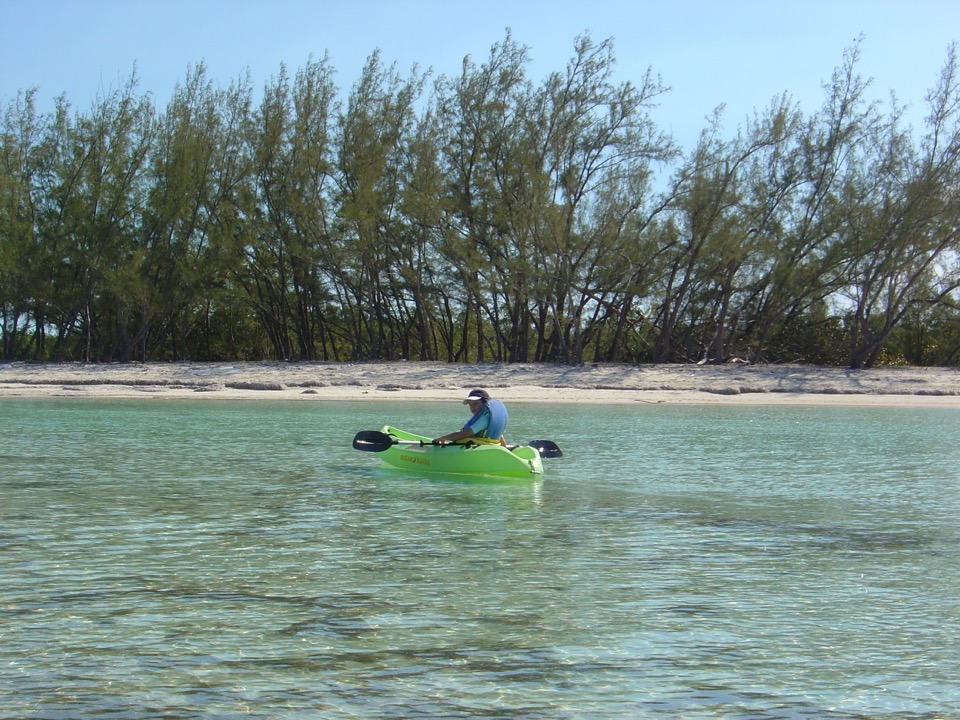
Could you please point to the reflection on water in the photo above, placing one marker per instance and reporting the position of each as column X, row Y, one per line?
column 213, row 559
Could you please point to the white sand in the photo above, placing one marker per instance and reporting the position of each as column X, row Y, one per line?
column 412, row 381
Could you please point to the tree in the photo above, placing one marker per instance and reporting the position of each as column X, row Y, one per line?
column 901, row 234
column 483, row 161
column 599, row 142
column 20, row 286
column 373, row 136
column 287, row 224
column 89, row 221
column 802, row 186
column 712, row 254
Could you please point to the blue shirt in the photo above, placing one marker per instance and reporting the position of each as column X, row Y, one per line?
column 479, row 422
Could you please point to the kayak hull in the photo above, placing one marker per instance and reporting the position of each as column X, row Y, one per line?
column 414, row 452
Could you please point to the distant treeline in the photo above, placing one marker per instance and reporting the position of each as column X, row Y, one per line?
column 480, row 217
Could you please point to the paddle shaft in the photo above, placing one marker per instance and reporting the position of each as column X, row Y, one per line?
column 376, row 441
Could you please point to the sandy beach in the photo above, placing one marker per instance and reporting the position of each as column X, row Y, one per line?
column 434, row 381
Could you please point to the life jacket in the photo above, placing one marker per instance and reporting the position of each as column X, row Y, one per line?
column 495, row 425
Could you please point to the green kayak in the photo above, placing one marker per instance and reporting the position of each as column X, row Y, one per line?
column 409, row 451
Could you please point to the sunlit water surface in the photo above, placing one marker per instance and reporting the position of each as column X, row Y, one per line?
column 169, row 559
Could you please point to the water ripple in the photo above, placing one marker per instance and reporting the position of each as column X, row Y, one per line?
column 209, row 560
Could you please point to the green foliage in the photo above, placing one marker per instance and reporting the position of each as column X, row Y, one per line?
column 491, row 218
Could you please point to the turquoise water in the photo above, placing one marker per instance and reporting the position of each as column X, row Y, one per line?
column 172, row 559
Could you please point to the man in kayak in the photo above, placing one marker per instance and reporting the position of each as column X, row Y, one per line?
column 487, row 424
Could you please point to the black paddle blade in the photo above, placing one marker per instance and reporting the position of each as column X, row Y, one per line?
column 546, row 448
column 372, row 441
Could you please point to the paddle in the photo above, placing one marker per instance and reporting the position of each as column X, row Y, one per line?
column 376, row 441
column 546, row 448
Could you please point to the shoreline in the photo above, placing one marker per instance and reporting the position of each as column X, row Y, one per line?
column 598, row 383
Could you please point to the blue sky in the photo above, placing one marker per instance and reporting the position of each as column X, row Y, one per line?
column 738, row 52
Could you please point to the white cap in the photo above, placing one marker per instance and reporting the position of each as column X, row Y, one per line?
column 475, row 395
